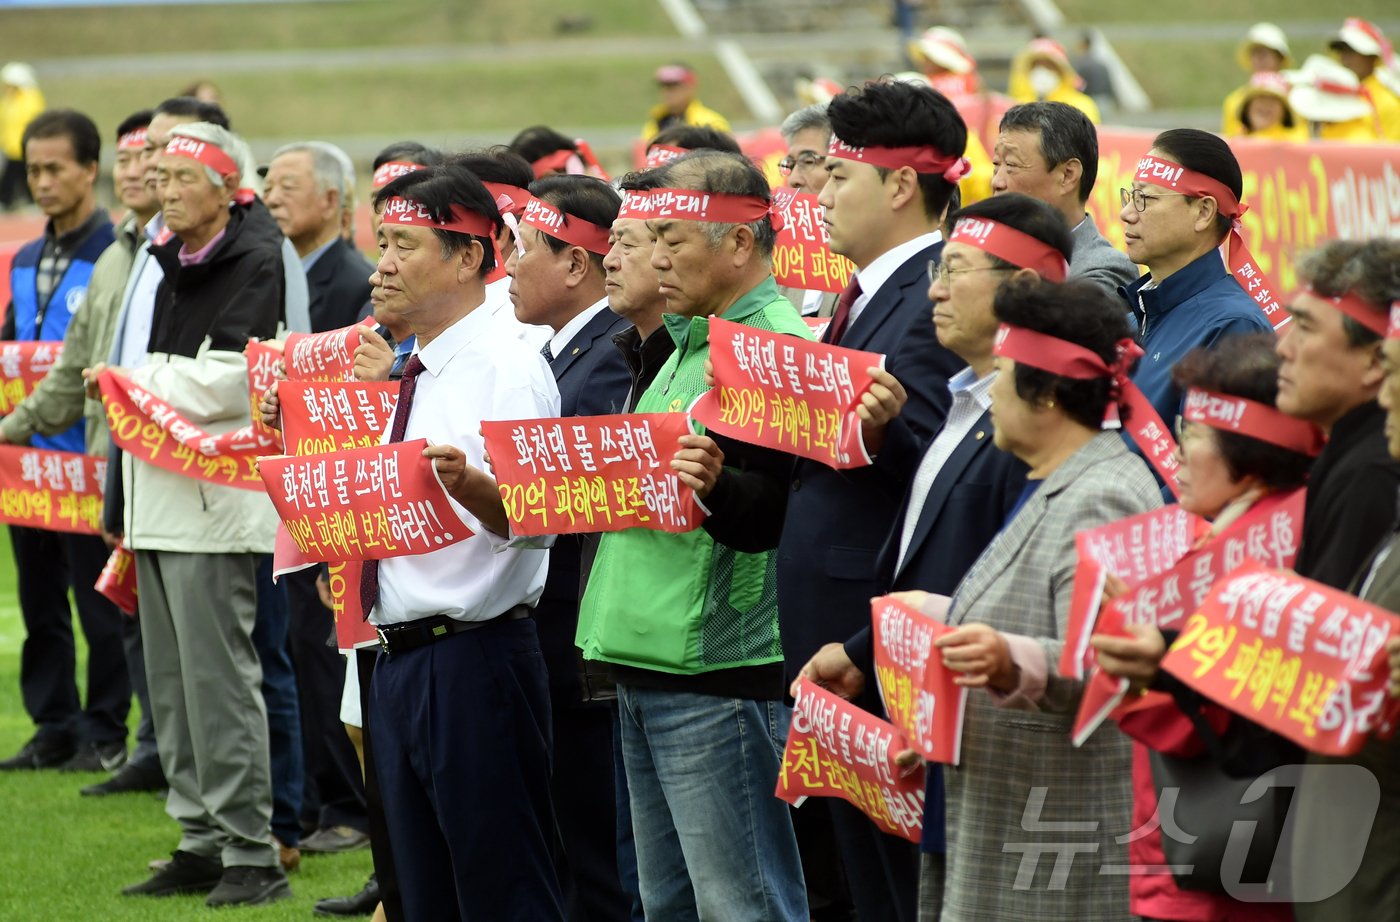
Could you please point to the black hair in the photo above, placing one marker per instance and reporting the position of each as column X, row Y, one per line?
column 1207, row 154
column 134, row 121
column 585, row 197
column 1065, row 134
column 640, row 181
column 695, row 137
column 891, row 113
column 1078, row 312
column 1023, row 213
column 408, row 152
column 67, row 123
column 197, row 109
column 1369, row 269
column 727, row 174
column 1245, row 366
column 496, row 164
column 540, row 141
column 438, row 189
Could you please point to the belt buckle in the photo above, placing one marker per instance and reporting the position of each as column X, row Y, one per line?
column 383, row 639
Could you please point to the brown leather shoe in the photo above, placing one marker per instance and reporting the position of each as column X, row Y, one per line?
column 289, row 856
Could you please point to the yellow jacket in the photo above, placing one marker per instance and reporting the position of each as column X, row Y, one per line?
column 1299, row 132
column 976, row 185
column 695, row 114
column 1230, row 124
column 1387, row 107
column 1356, row 131
column 1019, row 85
column 18, row 106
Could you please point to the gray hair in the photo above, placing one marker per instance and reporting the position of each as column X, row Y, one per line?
column 224, row 140
column 330, row 165
column 813, row 116
column 725, row 173
column 1065, row 134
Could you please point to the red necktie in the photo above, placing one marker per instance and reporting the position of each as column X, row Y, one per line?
column 369, row 575
column 841, row 317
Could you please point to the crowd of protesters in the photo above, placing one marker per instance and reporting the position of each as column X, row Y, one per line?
column 592, row 728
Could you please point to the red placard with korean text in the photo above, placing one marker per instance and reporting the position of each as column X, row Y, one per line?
column 919, row 692
column 834, row 749
column 802, row 256
column 117, row 581
column 322, row 417
column 328, row 356
column 151, row 430
column 22, row 366
column 352, row 629
column 363, row 504
column 1295, row 656
column 56, row 490
column 591, row 473
column 262, row 374
column 787, row 393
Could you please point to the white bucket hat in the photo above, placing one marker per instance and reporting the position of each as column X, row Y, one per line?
column 1325, row 91
column 1263, row 35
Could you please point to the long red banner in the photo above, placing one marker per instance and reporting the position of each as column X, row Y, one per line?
column 57, row 490
column 322, row 417
column 920, row 694
column 117, row 581
column 787, row 393
column 328, row 356
column 22, row 366
column 834, row 749
column 802, row 256
column 591, row 473
column 1300, row 658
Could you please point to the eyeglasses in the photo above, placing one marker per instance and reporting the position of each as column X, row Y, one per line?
column 805, row 161
column 938, row 272
column 1140, row 198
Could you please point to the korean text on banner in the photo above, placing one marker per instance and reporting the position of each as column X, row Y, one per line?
column 56, row 490
column 920, row 693
column 262, row 374
column 352, row 631
column 117, row 581
column 322, row 417
column 787, row 394
column 802, row 256
column 22, row 366
column 1294, row 656
column 328, row 356
column 834, row 749
column 591, row 473
column 363, row 504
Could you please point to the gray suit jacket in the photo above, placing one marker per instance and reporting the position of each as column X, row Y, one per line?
column 1095, row 259
column 1017, row 755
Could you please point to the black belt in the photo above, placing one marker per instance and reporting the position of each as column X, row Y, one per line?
column 400, row 638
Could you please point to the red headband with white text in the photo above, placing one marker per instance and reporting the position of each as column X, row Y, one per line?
column 403, row 211
column 1370, row 315
column 921, row 159
column 388, row 172
column 509, row 199
column 135, row 139
column 690, row 205
column 1253, row 419
column 1016, row 247
column 205, row 153
column 1393, row 331
column 547, row 219
column 1240, row 261
column 1060, row 357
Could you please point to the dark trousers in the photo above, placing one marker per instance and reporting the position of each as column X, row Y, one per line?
column 279, row 692
column 462, row 749
column 47, row 564
column 882, row 870
column 384, row 872
column 334, row 794
column 136, row 669
column 585, row 804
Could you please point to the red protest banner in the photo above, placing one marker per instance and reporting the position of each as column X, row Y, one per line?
column 22, row 366
column 802, row 256
column 352, row 629
column 918, row 691
column 834, row 749
column 322, row 417
column 363, row 504
column 151, row 430
column 262, row 374
column 328, row 356
column 817, row 325
column 1294, row 656
column 57, row 490
column 117, row 581
column 787, row 393
column 591, row 473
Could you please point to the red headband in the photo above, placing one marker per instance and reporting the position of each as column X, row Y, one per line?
column 509, row 199
column 558, row 160
column 203, row 152
column 1370, row 315
column 403, row 211
column 690, row 205
column 921, row 159
column 388, row 172
column 663, row 153
column 1018, row 248
column 1253, row 419
column 135, row 139
column 1393, row 332
column 547, row 219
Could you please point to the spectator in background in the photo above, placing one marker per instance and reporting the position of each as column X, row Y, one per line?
column 1264, row 111
column 1264, row 50
column 20, row 102
column 679, row 85
column 943, row 57
column 1364, row 50
column 205, row 91
column 1041, row 72
column 1330, row 97
column 1098, row 83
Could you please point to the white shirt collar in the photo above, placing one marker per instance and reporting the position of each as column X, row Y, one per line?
column 568, row 331
column 875, row 275
column 436, row 354
column 966, row 385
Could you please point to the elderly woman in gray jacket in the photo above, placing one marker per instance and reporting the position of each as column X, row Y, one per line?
column 1036, row 828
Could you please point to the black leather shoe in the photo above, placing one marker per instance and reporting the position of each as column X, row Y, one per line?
column 41, row 752
column 249, row 886
column 186, row 873
column 144, row 775
column 97, row 757
column 361, row 904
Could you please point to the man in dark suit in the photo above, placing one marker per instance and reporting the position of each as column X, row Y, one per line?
column 896, row 156
column 557, row 280
column 306, row 184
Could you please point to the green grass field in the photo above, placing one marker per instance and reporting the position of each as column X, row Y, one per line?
column 66, row 857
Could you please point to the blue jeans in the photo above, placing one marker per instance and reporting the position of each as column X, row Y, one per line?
column 712, row 840
column 279, row 691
